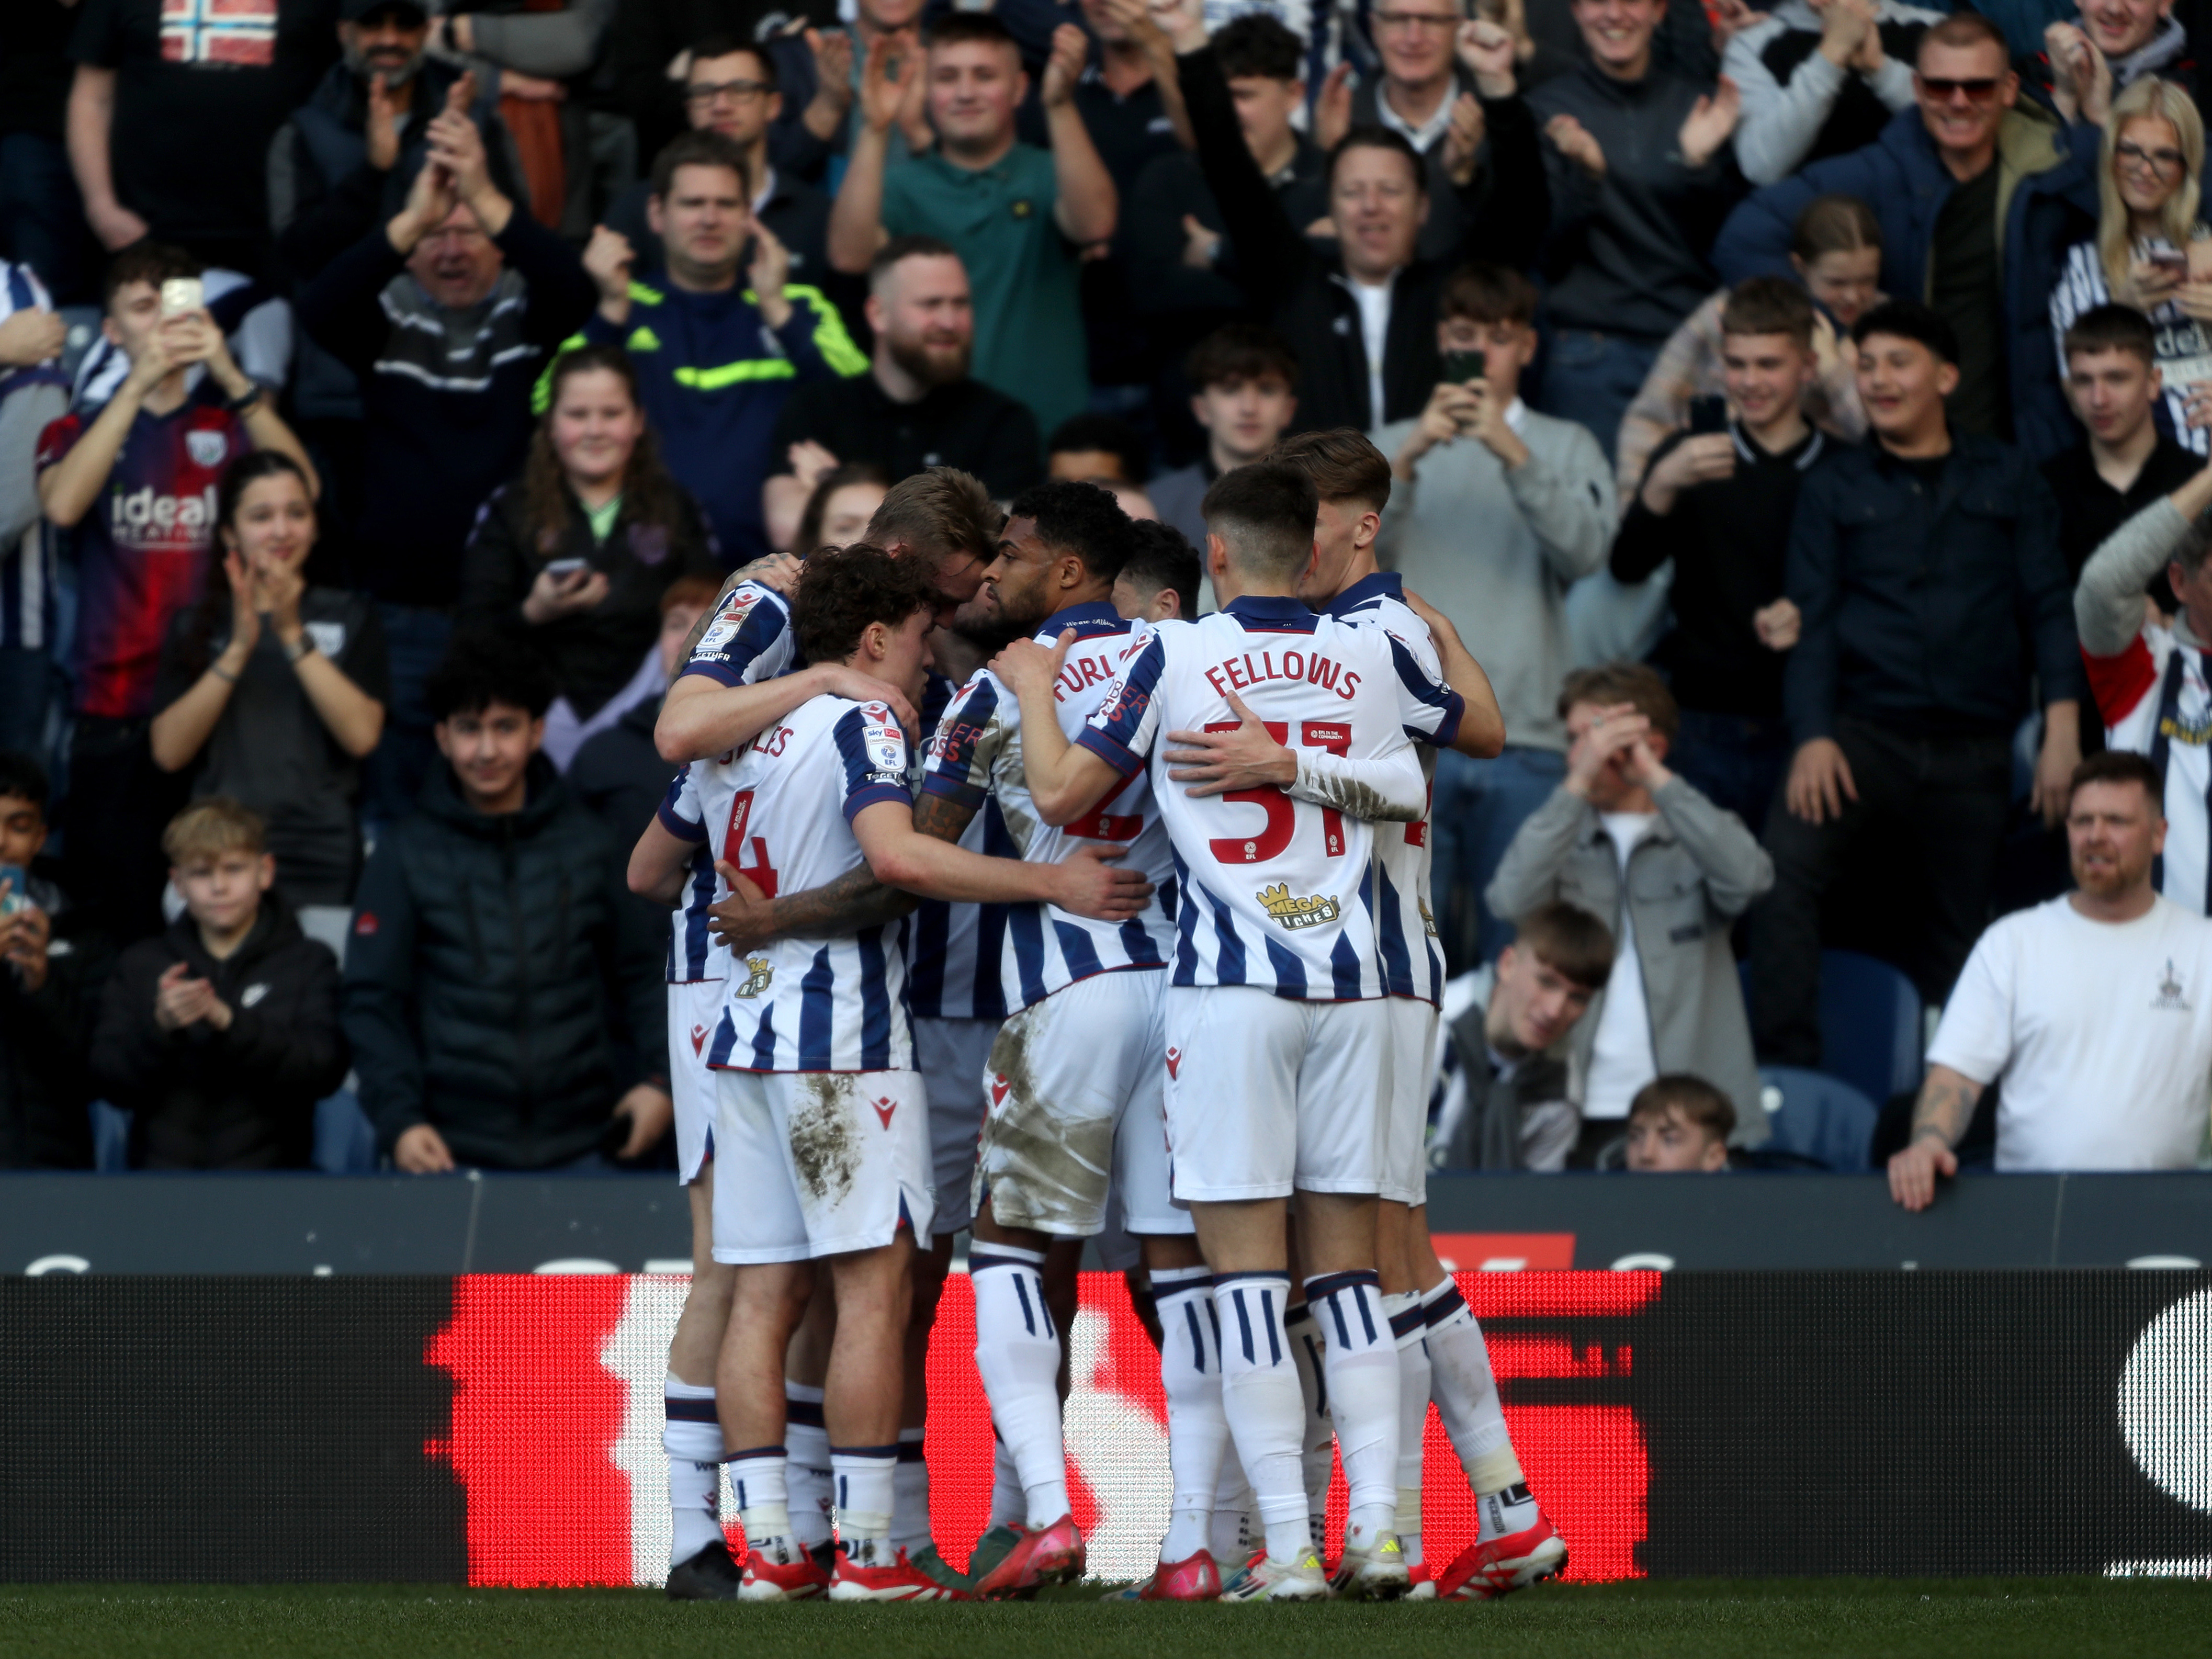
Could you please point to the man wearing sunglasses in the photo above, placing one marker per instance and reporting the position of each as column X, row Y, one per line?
column 1978, row 191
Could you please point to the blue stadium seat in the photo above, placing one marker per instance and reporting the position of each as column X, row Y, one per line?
column 346, row 1141
column 1822, row 1118
column 1870, row 1025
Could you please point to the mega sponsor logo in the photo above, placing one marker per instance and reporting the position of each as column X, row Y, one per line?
column 151, row 522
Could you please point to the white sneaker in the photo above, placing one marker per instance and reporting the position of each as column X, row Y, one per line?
column 1269, row 1580
column 1378, row 1573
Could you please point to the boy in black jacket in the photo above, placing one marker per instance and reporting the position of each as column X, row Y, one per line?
column 220, row 1035
column 497, row 955
column 51, row 968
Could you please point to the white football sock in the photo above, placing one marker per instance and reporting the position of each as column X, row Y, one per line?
column 1231, row 1542
column 1504, row 1512
column 807, row 1476
column 1018, row 1351
column 1317, row 1447
column 693, row 1440
column 757, row 1478
column 1009, row 1507
column 910, row 1496
column 866, row 1478
column 1360, row 1363
column 1198, row 1431
column 1466, row 1393
column 1260, row 1394
column 1410, row 1323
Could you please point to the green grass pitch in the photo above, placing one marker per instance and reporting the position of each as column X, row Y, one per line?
column 1944, row 1618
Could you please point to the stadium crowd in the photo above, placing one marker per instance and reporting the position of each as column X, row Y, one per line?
column 1799, row 415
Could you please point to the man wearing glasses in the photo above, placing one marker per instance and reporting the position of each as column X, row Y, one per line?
column 1423, row 94
column 1980, row 192
column 731, row 88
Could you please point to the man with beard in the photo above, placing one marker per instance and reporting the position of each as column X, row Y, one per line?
column 2094, row 1009
column 917, row 406
column 345, row 158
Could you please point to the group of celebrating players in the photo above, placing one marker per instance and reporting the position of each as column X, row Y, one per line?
column 1128, row 939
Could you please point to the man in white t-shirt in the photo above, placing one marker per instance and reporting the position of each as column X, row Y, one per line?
column 2096, row 1009
column 1637, row 846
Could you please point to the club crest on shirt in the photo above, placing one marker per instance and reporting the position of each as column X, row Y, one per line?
column 760, row 972
column 1296, row 912
column 206, row 447
column 1428, row 918
column 2177, row 728
column 2169, row 992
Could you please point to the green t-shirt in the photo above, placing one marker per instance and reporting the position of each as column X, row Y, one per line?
column 1029, row 315
column 602, row 519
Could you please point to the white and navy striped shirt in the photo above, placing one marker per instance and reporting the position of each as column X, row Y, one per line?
column 749, row 639
column 698, row 804
column 816, row 1004
column 1277, row 892
column 975, row 760
column 27, row 566
column 952, row 951
column 1406, row 923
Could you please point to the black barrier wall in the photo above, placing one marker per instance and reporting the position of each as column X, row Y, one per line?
column 286, row 1429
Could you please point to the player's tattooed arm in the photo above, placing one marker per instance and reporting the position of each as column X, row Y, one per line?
column 942, row 817
column 1386, row 788
column 1939, row 1118
column 854, row 901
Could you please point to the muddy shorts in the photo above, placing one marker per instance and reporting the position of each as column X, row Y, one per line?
column 1405, row 1108
column 693, row 1008
column 815, row 1163
column 1266, row 1093
column 1074, row 1106
column 950, row 1054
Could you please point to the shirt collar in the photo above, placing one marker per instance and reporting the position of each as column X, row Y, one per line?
column 1429, row 131
column 1268, row 607
column 1380, row 583
column 1093, row 617
column 767, row 191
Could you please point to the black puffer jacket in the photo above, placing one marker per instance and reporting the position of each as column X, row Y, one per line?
column 495, row 975
column 238, row 1099
column 45, row 1036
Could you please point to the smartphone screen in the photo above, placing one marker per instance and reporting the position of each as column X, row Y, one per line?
column 182, row 294
column 1708, row 413
column 1460, row 367
column 566, row 567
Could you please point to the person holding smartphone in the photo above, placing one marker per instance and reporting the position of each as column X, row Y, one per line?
column 1495, row 512
column 135, row 479
column 2151, row 251
column 576, row 552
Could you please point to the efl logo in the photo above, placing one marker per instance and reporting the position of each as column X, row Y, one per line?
column 557, row 1415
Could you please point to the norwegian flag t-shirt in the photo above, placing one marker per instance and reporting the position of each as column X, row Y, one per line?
column 201, row 87
column 142, row 546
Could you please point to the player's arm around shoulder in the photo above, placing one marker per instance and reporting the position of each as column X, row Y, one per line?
column 1068, row 779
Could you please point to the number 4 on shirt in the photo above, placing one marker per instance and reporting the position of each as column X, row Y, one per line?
column 760, row 872
column 1334, row 737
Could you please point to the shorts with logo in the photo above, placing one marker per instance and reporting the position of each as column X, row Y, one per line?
column 1266, row 1093
column 1074, row 1107
column 815, row 1163
column 693, row 1008
column 950, row 1054
column 1412, row 1078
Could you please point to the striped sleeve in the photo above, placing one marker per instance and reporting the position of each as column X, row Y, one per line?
column 748, row 639
column 871, row 749
column 1429, row 709
column 1122, row 733
column 966, row 744
column 681, row 813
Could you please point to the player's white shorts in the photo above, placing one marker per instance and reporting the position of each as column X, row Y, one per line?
column 1266, row 1093
column 1074, row 1087
column 693, row 1009
column 1405, row 1117
column 815, row 1163
column 951, row 1056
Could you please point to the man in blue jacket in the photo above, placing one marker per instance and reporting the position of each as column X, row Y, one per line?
column 715, row 359
column 1925, row 565
column 1980, row 193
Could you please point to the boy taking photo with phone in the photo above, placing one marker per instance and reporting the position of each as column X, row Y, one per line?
column 137, row 479
column 1495, row 512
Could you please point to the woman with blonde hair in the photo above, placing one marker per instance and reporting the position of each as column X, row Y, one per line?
column 2152, row 251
